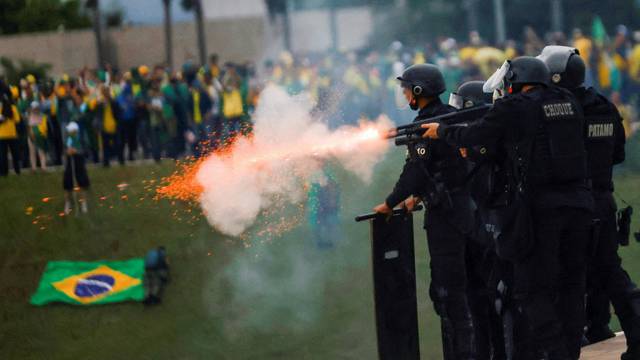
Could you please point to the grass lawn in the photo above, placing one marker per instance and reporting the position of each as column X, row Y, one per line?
column 257, row 297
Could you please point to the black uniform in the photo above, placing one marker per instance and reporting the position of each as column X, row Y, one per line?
column 435, row 172
column 606, row 277
column 480, row 253
column 542, row 127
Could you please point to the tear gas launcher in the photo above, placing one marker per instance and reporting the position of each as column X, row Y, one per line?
column 410, row 133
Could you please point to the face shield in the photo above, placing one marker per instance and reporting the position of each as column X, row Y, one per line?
column 496, row 83
column 456, row 101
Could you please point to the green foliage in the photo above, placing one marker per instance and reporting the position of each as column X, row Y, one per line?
column 20, row 16
column 14, row 72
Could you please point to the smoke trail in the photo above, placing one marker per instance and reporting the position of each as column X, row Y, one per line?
column 288, row 147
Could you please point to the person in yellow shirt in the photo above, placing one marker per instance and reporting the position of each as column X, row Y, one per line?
column 9, row 138
column 586, row 49
column 231, row 105
column 108, row 116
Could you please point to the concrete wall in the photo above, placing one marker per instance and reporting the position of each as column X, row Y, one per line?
column 354, row 27
column 236, row 39
column 216, row 9
column 239, row 39
column 78, row 47
column 310, row 29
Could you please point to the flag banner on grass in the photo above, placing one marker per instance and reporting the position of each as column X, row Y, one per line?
column 89, row 283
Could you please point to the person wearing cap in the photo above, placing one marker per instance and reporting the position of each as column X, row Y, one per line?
column 74, row 168
column 435, row 172
column 542, row 196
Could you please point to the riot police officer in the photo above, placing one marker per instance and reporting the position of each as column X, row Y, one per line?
column 484, row 270
column 434, row 172
column 605, row 142
column 537, row 132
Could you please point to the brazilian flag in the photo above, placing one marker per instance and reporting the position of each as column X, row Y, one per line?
column 89, row 283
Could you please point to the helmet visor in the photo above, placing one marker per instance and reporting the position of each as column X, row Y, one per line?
column 456, row 101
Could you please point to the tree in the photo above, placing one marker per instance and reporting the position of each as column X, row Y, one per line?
column 21, row 16
column 97, row 30
column 196, row 7
column 168, row 41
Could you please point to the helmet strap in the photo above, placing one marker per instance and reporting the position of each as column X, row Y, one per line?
column 413, row 104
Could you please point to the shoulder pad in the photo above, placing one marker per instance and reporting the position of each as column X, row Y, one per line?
column 444, row 109
column 511, row 100
column 596, row 103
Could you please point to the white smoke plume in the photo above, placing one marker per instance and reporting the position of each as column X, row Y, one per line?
column 287, row 149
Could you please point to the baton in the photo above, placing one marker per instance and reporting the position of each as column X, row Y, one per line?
column 399, row 211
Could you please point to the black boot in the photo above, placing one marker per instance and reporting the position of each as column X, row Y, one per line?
column 628, row 311
column 632, row 353
column 458, row 338
column 599, row 333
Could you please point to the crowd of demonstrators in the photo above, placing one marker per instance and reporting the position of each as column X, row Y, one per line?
column 349, row 86
column 139, row 113
column 155, row 112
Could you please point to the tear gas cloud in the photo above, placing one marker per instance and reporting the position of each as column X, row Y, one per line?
column 287, row 150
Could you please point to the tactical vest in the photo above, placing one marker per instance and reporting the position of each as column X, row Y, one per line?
column 558, row 155
column 600, row 139
column 443, row 161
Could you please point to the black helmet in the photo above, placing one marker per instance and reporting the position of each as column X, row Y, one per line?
column 423, row 80
column 565, row 65
column 470, row 94
column 526, row 70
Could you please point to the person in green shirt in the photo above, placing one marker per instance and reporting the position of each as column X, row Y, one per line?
column 161, row 116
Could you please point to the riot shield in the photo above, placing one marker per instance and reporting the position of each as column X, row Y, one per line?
column 394, row 283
